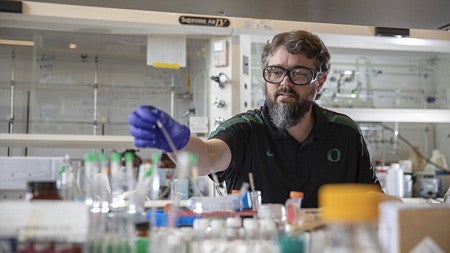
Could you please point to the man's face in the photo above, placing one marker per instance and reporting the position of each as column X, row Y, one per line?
column 288, row 103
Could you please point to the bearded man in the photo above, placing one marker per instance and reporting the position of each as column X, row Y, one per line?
column 289, row 144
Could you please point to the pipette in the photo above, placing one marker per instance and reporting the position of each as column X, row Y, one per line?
column 175, row 150
column 168, row 139
column 252, row 181
column 254, row 193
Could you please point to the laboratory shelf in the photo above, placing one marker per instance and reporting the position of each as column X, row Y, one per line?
column 396, row 115
column 70, row 141
column 126, row 142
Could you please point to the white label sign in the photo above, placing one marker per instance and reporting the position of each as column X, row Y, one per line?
column 45, row 220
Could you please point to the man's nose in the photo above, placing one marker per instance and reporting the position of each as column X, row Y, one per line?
column 286, row 81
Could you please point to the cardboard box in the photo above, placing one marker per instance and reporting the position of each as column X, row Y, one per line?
column 414, row 227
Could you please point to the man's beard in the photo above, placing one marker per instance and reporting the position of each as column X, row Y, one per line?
column 288, row 112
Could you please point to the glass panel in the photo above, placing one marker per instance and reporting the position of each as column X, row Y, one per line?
column 376, row 79
column 369, row 78
column 87, row 83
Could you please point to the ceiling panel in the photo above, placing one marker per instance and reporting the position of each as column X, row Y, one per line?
column 416, row 14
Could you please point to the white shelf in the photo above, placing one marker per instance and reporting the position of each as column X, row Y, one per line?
column 396, row 115
column 70, row 141
column 126, row 142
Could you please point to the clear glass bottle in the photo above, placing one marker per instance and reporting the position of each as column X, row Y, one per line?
column 251, row 234
column 117, row 184
column 200, row 228
column 350, row 212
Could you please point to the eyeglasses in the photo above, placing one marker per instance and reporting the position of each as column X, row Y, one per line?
column 298, row 75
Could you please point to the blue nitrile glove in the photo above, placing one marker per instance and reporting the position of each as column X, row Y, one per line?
column 146, row 133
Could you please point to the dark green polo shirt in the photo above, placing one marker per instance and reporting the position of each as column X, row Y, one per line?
column 334, row 152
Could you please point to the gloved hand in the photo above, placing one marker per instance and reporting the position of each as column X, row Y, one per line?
column 146, row 133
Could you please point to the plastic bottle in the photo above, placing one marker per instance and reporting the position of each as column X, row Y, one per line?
column 102, row 183
column 408, row 186
column 90, row 170
column 130, row 175
column 296, row 197
column 437, row 158
column 350, row 214
column 293, row 205
column 291, row 241
column 117, row 188
column 244, row 195
column 66, row 179
column 395, row 181
column 203, row 204
column 416, row 160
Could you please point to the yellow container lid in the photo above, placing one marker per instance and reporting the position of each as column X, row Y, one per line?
column 349, row 202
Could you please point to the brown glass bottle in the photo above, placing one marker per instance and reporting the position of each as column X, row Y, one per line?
column 42, row 190
column 142, row 228
column 141, row 242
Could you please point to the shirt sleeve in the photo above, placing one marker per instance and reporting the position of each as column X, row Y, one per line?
column 234, row 132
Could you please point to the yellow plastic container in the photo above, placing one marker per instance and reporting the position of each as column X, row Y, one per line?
column 349, row 202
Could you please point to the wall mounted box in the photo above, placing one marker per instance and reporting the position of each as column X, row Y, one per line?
column 11, row 6
column 391, row 32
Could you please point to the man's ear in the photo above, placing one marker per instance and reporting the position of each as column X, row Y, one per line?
column 320, row 81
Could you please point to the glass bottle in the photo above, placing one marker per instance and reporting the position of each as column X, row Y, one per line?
column 42, row 190
column 200, row 228
column 232, row 228
column 350, row 214
column 141, row 237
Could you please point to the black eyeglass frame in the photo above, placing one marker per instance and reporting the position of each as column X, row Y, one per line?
column 287, row 72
